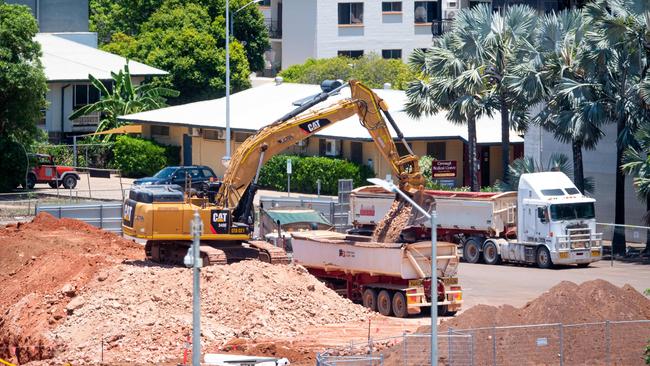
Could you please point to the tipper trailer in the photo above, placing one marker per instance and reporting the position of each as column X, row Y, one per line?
column 546, row 222
column 392, row 278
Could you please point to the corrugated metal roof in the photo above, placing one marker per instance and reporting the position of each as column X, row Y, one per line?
column 254, row 108
column 66, row 60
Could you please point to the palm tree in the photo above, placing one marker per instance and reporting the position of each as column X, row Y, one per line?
column 448, row 82
column 637, row 163
column 546, row 77
column 499, row 42
column 125, row 98
column 556, row 163
column 617, row 62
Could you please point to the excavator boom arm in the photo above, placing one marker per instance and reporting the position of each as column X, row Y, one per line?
column 299, row 125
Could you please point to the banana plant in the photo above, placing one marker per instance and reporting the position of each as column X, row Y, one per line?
column 124, row 98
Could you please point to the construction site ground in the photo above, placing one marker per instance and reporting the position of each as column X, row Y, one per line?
column 84, row 296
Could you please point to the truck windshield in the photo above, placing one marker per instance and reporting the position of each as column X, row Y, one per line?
column 573, row 211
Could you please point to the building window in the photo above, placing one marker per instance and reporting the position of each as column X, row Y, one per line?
column 351, row 13
column 401, row 149
column 426, row 11
column 159, row 130
column 214, row 134
column 241, row 136
column 84, row 95
column 391, row 6
column 437, row 150
column 265, row 3
column 391, row 54
column 353, row 54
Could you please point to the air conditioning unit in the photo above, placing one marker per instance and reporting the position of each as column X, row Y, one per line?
column 331, row 147
column 452, row 4
column 303, row 143
column 194, row 132
column 450, row 14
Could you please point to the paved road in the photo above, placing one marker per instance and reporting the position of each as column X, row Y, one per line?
column 516, row 285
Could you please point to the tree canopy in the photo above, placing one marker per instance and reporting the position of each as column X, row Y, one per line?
column 370, row 69
column 22, row 81
column 185, row 38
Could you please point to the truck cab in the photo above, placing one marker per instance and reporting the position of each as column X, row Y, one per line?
column 555, row 216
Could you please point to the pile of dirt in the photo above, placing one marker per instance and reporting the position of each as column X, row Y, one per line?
column 144, row 312
column 46, row 263
column 388, row 230
column 566, row 303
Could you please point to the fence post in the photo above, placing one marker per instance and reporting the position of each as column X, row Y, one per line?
column 448, row 346
column 471, row 350
column 608, row 346
column 404, row 352
column 494, row 346
column 561, row 345
column 101, row 216
column 332, row 213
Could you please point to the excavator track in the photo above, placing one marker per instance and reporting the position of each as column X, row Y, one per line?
column 173, row 252
column 270, row 253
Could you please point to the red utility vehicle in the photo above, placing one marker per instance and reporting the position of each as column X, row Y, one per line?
column 43, row 170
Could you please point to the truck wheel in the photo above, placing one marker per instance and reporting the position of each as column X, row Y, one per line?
column 490, row 253
column 400, row 309
column 69, row 182
column 31, row 181
column 544, row 257
column 384, row 303
column 471, row 251
column 370, row 299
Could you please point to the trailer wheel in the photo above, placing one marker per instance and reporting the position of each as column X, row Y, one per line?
column 384, row 303
column 490, row 253
column 583, row 265
column 544, row 257
column 370, row 299
column 31, row 181
column 471, row 251
column 443, row 310
column 400, row 308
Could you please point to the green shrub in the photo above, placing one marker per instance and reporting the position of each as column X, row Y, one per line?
column 136, row 157
column 12, row 165
column 306, row 172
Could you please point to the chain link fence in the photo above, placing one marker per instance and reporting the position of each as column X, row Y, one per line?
column 598, row 343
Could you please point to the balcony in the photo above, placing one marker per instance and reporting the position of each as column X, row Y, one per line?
column 274, row 27
column 87, row 123
column 440, row 27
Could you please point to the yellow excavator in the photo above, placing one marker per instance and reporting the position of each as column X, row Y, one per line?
column 161, row 215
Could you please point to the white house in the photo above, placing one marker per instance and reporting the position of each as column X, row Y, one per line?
column 67, row 66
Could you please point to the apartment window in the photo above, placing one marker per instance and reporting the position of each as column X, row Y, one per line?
column 84, row 95
column 350, row 13
column 353, row 53
column 265, row 3
column 426, row 11
column 437, row 150
column 391, row 6
column 241, row 136
column 391, row 54
column 159, row 130
column 214, row 134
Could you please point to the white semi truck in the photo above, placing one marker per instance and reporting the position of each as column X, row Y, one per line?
column 546, row 222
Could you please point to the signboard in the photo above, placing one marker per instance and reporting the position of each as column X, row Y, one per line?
column 219, row 221
column 441, row 169
column 289, row 166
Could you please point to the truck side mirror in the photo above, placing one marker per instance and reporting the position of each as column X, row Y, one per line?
column 541, row 214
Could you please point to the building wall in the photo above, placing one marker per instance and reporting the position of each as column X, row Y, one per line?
column 299, row 30
column 394, row 31
column 599, row 164
column 58, row 15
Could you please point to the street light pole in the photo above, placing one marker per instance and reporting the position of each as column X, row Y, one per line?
column 389, row 186
column 226, row 159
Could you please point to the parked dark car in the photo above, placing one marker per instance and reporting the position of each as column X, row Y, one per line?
column 177, row 174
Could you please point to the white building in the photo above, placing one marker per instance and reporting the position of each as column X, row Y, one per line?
column 302, row 29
